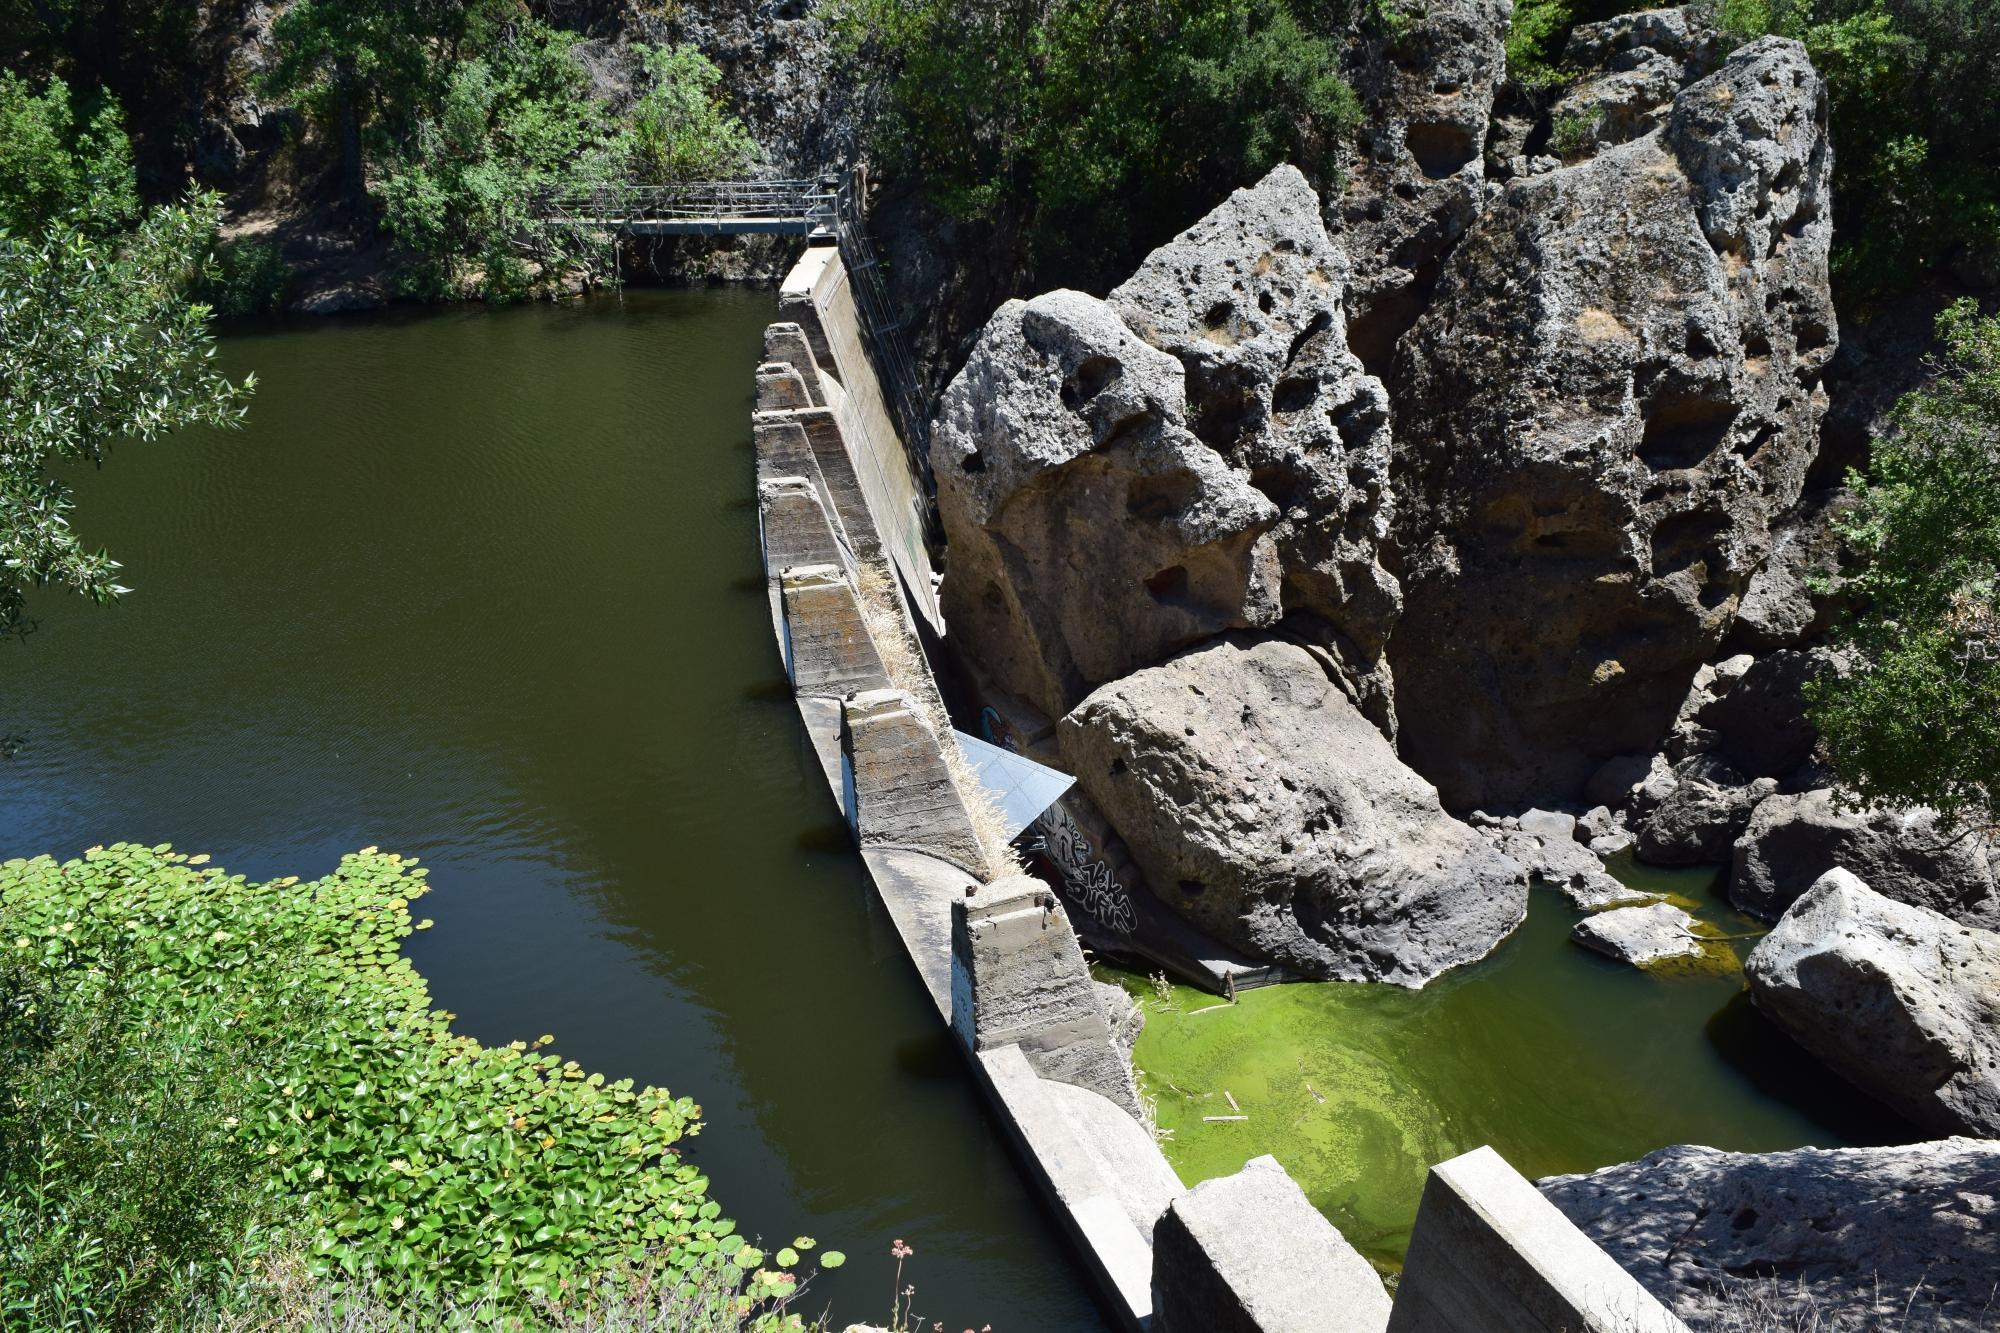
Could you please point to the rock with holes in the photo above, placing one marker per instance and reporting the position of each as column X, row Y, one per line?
column 1091, row 532
column 1631, row 67
column 1900, row 1001
column 1614, row 392
column 1691, row 812
column 1250, row 301
column 1266, row 809
column 1416, row 177
column 1908, row 855
column 1890, row 1238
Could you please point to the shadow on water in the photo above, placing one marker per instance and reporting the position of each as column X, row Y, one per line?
column 1779, row 1068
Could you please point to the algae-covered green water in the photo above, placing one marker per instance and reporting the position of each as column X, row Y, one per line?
column 1561, row 1059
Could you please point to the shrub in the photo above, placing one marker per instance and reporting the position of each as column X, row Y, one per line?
column 1100, row 127
column 1917, row 722
column 250, row 277
column 423, row 1165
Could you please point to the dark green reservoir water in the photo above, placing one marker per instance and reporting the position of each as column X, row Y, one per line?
column 483, row 588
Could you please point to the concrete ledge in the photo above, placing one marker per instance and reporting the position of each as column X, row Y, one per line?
column 781, row 388
column 1249, row 1253
column 1489, row 1254
column 787, row 344
column 1098, row 1166
column 1018, row 978
column 827, row 648
column 793, row 526
column 896, row 788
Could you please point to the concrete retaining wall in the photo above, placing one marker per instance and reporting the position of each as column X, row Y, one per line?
column 838, row 505
column 1489, row 1254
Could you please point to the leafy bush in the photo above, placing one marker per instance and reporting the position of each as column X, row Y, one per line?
column 425, row 1165
column 1572, row 136
column 124, row 1188
column 1918, row 720
column 250, row 277
column 678, row 127
column 99, row 341
column 1100, row 126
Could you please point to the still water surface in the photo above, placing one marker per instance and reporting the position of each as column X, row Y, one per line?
column 483, row 588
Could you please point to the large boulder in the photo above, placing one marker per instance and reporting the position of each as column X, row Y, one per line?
column 1909, row 856
column 1416, row 178
column 1091, row 532
column 1250, row 301
column 1266, row 809
column 1614, row 392
column 1691, row 813
column 1846, row 1238
column 1201, row 453
column 1898, row 1000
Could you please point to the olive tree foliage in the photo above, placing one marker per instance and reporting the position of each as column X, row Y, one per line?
column 99, row 341
column 1917, row 722
column 679, row 128
column 1099, row 127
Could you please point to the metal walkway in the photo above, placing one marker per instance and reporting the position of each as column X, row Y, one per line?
column 698, row 208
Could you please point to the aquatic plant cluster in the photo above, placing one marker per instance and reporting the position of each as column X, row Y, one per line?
column 196, row 1070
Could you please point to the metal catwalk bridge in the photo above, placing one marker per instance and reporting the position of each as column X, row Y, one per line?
column 700, row 208
column 825, row 210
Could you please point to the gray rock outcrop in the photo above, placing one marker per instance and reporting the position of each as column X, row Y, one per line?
column 1633, row 65
column 1692, row 812
column 1653, row 933
column 1791, row 841
column 1265, row 808
column 1201, row 453
column 1863, row 1237
column 1091, row 532
column 1613, row 394
column 1250, row 301
column 1416, row 179
column 1898, row 1000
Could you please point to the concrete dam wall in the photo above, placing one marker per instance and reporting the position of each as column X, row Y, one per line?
column 843, row 517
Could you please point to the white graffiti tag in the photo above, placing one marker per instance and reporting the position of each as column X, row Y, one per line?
column 1088, row 880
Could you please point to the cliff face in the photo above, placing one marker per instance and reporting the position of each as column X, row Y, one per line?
column 1603, row 394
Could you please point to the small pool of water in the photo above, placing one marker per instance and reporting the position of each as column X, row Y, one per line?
column 1560, row 1058
column 483, row 587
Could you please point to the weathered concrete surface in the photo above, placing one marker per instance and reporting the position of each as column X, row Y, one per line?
column 1266, row 809
column 816, row 295
column 827, row 648
column 1907, row 855
column 780, row 388
column 1249, row 1253
column 1019, row 979
column 1888, row 1238
column 1900, row 1001
column 1613, row 395
column 1490, row 1255
column 1101, row 1168
column 899, row 791
column 1654, row 933
column 796, row 530
column 787, row 344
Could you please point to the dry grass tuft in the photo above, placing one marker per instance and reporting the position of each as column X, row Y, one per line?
column 903, row 660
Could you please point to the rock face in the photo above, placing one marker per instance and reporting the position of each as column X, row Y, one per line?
column 1690, row 813
column 1792, row 840
column 1417, row 179
column 1900, row 1001
column 1637, row 63
column 1265, row 808
column 1249, row 301
column 1091, row 532
column 1849, row 1233
column 1613, row 394
column 1201, row 453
